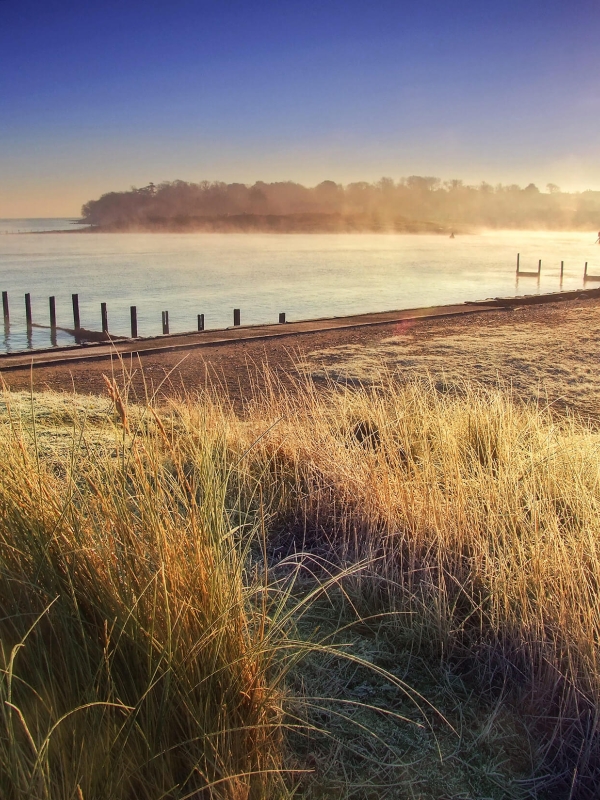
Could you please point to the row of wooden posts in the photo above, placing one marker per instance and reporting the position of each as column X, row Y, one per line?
column 236, row 311
column 538, row 272
column 104, row 315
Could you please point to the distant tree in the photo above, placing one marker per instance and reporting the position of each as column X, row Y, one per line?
column 552, row 188
column 258, row 198
column 386, row 184
column 327, row 187
column 426, row 184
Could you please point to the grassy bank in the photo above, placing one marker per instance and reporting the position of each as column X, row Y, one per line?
column 389, row 592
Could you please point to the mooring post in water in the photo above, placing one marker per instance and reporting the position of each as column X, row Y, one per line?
column 587, row 277
column 165, row 321
column 104, row 316
column 236, row 316
column 76, row 320
column 518, row 258
column 133, row 313
column 539, row 266
column 28, row 310
column 282, row 318
column 5, row 307
column 200, row 322
column 52, row 301
column 562, row 269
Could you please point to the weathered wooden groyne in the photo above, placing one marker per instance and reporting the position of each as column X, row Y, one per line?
column 131, row 347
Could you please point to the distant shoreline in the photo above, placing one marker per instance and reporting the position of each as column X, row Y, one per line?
column 387, row 231
column 269, row 223
column 305, row 223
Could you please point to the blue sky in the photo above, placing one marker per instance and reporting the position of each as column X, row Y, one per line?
column 100, row 97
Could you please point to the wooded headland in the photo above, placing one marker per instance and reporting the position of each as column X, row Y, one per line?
column 412, row 205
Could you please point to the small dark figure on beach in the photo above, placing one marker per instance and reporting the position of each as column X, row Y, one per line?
column 452, row 235
column 598, row 239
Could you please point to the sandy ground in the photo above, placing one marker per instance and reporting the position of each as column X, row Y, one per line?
column 550, row 351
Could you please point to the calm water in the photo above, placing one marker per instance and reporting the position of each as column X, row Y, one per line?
column 306, row 276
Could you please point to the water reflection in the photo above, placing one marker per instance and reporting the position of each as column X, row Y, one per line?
column 530, row 277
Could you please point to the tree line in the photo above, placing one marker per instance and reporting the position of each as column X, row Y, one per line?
column 413, row 203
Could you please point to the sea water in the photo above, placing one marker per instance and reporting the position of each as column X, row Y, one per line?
column 303, row 275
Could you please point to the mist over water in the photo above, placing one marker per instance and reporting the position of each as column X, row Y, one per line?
column 305, row 275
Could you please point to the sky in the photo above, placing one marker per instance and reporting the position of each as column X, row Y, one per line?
column 100, row 96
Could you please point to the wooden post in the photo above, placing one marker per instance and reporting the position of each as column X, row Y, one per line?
column 200, row 322
column 133, row 313
column 539, row 266
column 585, row 271
column 282, row 318
column 76, row 320
column 562, row 269
column 5, row 307
column 236, row 316
column 104, row 315
column 165, row 322
column 518, row 257
column 52, row 301
column 28, row 310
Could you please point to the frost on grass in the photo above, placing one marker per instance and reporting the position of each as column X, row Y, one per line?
column 555, row 363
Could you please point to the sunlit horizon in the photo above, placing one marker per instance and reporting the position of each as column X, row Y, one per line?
column 97, row 99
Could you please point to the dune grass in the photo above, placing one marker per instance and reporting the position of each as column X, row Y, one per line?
column 479, row 516
column 134, row 654
column 162, row 572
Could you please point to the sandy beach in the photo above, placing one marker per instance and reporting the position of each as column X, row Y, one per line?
column 548, row 351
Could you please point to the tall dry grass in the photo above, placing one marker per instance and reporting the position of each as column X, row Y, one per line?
column 480, row 516
column 134, row 655
column 140, row 649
